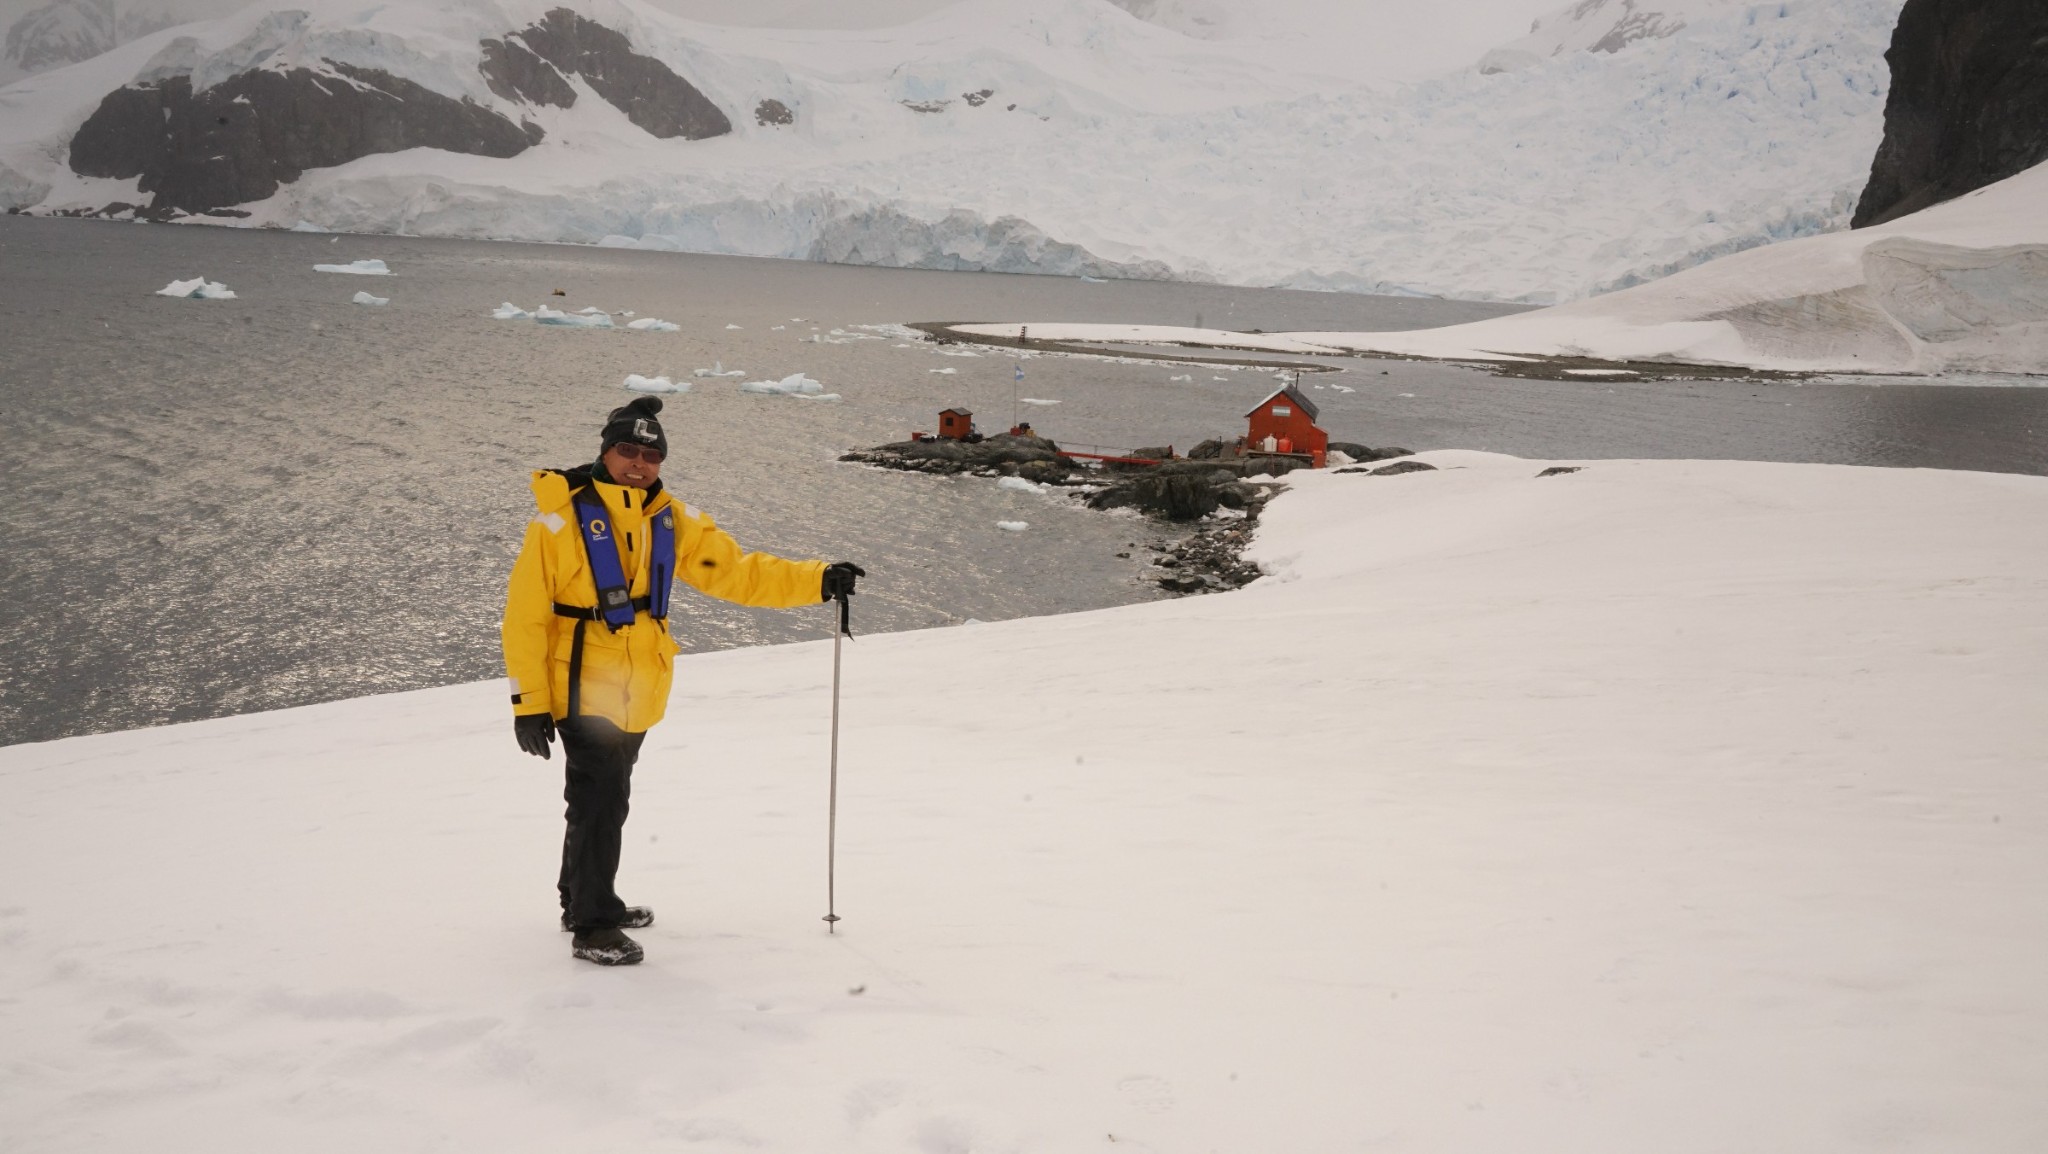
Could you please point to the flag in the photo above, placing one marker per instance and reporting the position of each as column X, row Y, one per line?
column 1020, row 372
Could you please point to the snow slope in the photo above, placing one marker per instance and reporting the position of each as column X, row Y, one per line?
column 1962, row 286
column 1603, row 26
column 1687, row 807
column 1130, row 150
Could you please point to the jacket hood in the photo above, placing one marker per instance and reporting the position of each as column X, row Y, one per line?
column 552, row 488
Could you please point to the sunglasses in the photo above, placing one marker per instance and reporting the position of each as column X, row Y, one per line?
column 638, row 453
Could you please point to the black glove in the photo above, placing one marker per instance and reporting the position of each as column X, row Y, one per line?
column 536, row 731
column 839, row 579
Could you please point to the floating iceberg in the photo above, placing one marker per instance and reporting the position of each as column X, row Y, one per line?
column 718, row 369
column 511, row 312
column 357, row 267
column 1019, row 484
column 1035, row 401
column 547, row 316
column 1013, row 526
column 307, row 226
column 367, row 299
column 639, row 384
column 732, row 326
column 944, row 372
column 198, row 288
column 651, row 325
column 793, row 385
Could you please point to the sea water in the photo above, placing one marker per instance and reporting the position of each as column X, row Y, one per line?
column 221, row 506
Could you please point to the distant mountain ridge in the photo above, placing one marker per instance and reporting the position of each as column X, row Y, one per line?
column 1050, row 136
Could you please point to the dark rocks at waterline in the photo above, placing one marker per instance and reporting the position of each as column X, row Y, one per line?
column 1394, row 470
column 534, row 65
column 1003, row 455
column 1182, row 491
column 1559, row 471
column 242, row 138
column 1363, row 454
column 1968, row 104
column 1211, row 561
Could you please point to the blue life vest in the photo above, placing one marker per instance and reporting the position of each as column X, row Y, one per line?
column 616, row 606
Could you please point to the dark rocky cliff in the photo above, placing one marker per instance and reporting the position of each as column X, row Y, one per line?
column 533, row 66
column 240, row 139
column 1968, row 104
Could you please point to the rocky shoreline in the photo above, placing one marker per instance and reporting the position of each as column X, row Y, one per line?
column 1219, row 497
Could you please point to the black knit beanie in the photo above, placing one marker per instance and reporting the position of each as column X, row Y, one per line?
column 635, row 422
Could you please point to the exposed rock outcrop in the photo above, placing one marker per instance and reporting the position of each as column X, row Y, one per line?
column 772, row 113
column 534, row 64
column 1032, row 458
column 1968, row 104
column 240, row 139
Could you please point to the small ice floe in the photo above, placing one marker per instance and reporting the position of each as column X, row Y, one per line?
column 308, row 226
column 1035, row 401
column 591, row 311
column 793, row 385
column 651, row 325
column 776, row 328
column 1344, row 388
column 1189, row 378
column 510, row 312
column 1225, row 379
column 1086, row 279
column 731, row 328
column 956, row 352
column 198, row 288
column 357, row 268
column 1599, row 373
column 547, row 316
column 718, row 369
column 638, row 384
column 367, row 299
column 1013, row 526
column 1020, row 485
column 1411, row 396
column 948, row 371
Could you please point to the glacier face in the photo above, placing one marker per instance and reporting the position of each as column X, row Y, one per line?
column 1067, row 137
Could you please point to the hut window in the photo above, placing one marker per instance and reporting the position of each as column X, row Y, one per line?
column 1282, row 411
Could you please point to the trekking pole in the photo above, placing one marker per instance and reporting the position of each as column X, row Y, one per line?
column 832, row 820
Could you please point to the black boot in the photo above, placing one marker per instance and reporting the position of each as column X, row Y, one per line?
column 636, row 917
column 607, row 947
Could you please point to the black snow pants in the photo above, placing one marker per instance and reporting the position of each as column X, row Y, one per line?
column 600, row 759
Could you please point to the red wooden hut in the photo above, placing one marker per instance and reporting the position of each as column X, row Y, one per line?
column 1290, row 420
column 956, row 424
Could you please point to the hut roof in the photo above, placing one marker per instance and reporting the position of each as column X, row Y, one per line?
column 1306, row 405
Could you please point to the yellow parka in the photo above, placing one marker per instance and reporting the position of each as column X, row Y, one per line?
column 625, row 673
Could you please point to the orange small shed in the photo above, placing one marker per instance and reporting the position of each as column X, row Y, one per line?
column 1290, row 419
column 956, row 424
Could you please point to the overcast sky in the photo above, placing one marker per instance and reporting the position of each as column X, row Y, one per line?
column 1432, row 34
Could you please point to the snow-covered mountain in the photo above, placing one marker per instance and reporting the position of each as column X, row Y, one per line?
column 68, row 31
column 1602, row 26
column 1057, row 136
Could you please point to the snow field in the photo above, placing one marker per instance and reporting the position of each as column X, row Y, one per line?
column 1675, row 806
column 1961, row 287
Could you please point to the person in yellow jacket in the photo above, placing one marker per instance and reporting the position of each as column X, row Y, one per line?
column 589, row 650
